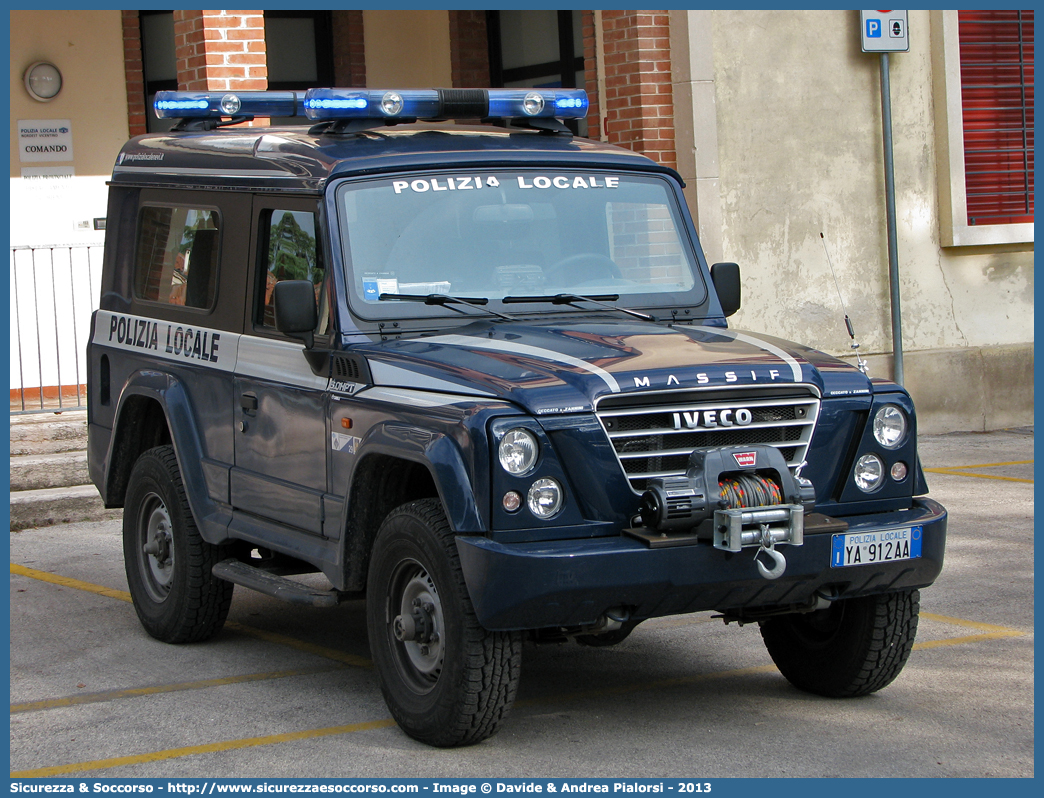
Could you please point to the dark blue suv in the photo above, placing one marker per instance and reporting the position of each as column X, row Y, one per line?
column 482, row 375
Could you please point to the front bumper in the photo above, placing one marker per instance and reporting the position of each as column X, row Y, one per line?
column 573, row 582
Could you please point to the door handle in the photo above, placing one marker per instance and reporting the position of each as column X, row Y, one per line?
column 249, row 403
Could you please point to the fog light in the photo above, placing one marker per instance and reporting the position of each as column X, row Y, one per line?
column 869, row 473
column 545, row 498
column 512, row 501
column 898, row 472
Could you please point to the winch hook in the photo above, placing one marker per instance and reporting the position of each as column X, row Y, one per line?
column 778, row 560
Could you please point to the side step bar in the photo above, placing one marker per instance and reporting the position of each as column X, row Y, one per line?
column 279, row 587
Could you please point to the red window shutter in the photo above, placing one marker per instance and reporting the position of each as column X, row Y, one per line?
column 997, row 97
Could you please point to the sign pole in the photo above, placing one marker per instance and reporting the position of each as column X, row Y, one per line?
column 885, row 32
column 893, row 247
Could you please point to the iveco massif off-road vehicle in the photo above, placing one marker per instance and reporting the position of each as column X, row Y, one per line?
column 482, row 376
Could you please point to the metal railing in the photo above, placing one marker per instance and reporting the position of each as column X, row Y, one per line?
column 53, row 293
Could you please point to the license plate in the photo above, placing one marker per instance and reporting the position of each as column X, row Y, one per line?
column 868, row 548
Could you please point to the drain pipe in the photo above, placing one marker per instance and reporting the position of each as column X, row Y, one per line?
column 603, row 112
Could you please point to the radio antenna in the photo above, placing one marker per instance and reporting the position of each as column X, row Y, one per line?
column 848, row 322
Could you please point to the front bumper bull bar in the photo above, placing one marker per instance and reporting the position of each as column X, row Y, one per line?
column 573, row 582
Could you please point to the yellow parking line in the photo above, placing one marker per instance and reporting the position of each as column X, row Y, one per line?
column 992, row 465
column 261, row 634
column 68, row 581
column 954, row 472
column 134, row 692
column 990, row 632
column 985, row 627
column 209, row 748
column 958, row 641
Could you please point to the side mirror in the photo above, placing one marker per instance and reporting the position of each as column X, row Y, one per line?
column 295, row 311
column 726, row 278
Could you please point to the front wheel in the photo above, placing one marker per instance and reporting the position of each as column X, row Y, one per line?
column 446, row 680
column 177, row 598
column 854, row 647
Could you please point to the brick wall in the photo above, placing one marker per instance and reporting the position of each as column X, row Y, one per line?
column 469, row 49
column 135, row 75
column 221, row 51
column 639, row 102
column 349, row 49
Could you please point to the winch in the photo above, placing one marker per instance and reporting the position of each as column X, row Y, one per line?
column 736, row 496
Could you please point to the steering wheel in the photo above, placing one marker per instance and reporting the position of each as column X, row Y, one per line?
column 585, row 267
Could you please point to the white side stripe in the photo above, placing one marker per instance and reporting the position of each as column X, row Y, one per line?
column 180, row 343
column 795, row 367
column 404, row 396
column 387, row 374
column 531, row 351
column 279, row 361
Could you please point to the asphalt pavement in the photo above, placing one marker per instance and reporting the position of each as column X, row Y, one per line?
column 285, row 691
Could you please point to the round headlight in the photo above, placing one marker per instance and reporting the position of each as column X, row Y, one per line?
column 869, row 473
column 545, row 498
column 890, row 426
column 518, row 452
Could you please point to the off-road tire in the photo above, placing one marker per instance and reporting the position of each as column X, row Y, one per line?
column 853, row 648
column 460, row 689
column 177, row 598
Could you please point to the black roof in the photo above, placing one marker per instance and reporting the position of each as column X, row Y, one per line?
column 294, row 159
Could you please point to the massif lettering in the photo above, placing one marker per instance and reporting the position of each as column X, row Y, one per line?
column 179, row 341
column 703, row 379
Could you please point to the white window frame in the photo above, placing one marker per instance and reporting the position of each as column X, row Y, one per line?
column 954, row 229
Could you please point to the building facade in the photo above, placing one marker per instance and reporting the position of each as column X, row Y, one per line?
column 773, row 119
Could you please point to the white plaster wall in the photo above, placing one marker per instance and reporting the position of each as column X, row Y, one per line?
column 801, row 152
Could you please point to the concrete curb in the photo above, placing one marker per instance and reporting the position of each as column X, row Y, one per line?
column 49, row 506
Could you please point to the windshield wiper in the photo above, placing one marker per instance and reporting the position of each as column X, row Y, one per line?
column 445, row 299
column 572, row 299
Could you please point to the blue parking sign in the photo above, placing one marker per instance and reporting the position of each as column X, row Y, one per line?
column 884, row 31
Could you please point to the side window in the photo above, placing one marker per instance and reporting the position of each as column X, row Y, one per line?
column 177, row 261
column 291, row 252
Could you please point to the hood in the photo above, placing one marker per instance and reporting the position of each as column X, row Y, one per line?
column 554, row 368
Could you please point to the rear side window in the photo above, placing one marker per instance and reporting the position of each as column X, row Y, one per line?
column 291, row 253
column 177, row 260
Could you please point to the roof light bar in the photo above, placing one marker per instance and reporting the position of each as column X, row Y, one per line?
column 376, row 104
column 217, row 104
column 323, row 104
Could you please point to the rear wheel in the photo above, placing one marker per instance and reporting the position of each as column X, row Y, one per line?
column 446, row 679
column 177, row 598
column 854, row 647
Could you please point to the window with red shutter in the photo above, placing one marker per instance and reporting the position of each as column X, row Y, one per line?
column 996, row 56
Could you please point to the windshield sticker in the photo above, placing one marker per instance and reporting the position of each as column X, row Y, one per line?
column 446, row 184
column 561, row 181
column 421, row 185
column 374, row 285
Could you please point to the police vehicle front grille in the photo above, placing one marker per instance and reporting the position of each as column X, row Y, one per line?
column 653, row 436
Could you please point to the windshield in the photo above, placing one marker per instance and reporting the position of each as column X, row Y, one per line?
column 496, row 234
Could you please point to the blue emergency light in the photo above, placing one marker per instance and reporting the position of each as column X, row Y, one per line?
column 218, row 104
column 390, row 105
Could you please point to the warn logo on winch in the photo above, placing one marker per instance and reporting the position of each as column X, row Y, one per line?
column 746, row 459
